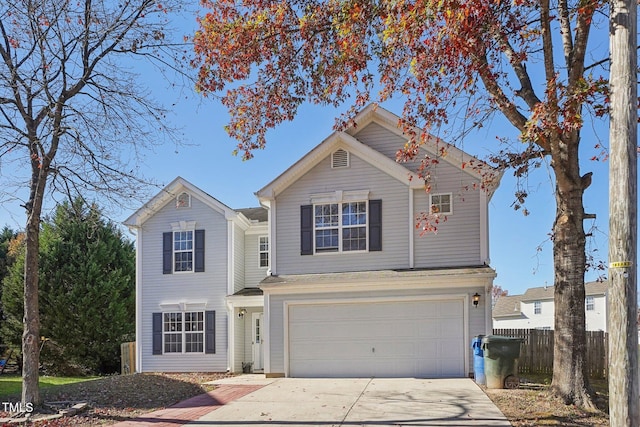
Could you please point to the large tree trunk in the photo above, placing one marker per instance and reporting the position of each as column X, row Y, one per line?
column 570, row 375
column 31, row 334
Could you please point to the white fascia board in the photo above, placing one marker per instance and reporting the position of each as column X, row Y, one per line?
column 321, row 151
column 169, row 193
column 450, row 279
column 245, row 301
column 261, row 228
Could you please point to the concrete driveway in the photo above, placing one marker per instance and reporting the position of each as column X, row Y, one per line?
column 357, row 402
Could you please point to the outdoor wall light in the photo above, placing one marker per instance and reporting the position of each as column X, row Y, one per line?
column 242, row 312
column 476, row 299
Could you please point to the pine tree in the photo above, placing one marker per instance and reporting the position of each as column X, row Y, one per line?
column 87, row 291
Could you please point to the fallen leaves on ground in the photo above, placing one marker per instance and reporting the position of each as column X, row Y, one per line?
column 121, row 398
column 536, row 406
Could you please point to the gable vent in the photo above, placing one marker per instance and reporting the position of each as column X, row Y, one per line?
column 340, row 159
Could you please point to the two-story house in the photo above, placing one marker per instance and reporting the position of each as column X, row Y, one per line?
column 535, row 309
column 198, row 266
column 354, row 288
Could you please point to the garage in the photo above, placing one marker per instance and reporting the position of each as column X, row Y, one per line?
column 408, row 338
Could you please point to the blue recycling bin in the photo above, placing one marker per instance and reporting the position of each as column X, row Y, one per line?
column 478, row 360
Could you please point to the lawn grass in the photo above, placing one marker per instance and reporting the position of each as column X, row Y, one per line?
column 11, row 385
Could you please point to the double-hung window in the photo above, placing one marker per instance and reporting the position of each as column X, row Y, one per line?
column 590, row 303
column 340, row 227
column 183, row 332
column 183, row 251
column 263, row 251
column 537, row 307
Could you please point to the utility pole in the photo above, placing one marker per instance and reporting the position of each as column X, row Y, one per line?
column 624, row 393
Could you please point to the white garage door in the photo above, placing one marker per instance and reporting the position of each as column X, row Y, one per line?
column 423, row 339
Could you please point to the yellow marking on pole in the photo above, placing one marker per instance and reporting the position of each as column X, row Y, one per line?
column 620, row 264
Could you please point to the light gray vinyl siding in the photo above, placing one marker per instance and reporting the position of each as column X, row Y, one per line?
column 457, row 241
column 253, row 272
column 380, row 139
column 360, row 175
column 238, row 334
column 387, row 143
column 475, row 322
column 238, row 258
column 207, row 289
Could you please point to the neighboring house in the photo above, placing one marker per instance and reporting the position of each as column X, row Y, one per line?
column 535, row 309
column 352, row 289
column 197, row 261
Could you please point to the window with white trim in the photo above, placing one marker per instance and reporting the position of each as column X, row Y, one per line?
column 183, row 332
column 263, row 251
column 441, row 203
column 590, row 304
column 183, row 251
column 340, row 227
column 537, row 307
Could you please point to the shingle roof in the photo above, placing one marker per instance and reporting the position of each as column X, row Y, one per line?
column 257, row 214
column 546, row 292
column 507, row 306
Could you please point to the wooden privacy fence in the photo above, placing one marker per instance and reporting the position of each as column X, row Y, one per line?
column 127, row 358
column 536, row 351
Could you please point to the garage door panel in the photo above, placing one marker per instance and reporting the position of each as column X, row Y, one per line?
column 388, row 339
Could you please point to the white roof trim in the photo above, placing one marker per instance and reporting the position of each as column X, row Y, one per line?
column 170, row 192
column 325, row 148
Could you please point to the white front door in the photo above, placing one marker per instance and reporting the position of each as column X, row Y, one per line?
column 256, row 341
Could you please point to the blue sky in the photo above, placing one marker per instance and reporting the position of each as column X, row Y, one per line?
column 206, row 161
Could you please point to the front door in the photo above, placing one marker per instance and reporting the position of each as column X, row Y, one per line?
column 256, row 341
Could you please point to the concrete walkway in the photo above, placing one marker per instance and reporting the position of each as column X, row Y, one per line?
column 377, row 402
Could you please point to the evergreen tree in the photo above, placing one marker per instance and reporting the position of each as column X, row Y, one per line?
column 6, row 235
column 87, row 290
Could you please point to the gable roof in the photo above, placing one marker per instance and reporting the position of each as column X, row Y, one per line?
column 170, row 192
column 347, row 140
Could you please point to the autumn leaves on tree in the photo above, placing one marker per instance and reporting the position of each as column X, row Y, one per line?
column 524, row 60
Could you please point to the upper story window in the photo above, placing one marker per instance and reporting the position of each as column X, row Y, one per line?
column 340, row 227
column 537, row 307
column 590, row 304
column 341, row 221
column 183, row 251
column 183, row 200
column 263, row 251
column 441, row 203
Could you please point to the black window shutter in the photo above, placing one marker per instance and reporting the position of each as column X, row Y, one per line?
column 199, row 251
column 210, row 332
column 157, row 333
column 306, row 230
column 375, row 225
column 167, row 253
